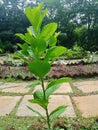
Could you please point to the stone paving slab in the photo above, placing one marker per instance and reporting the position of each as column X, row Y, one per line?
column 55, row 101
column 58, row 100
column 21, row 89
column 64, row 88
column 87, row 105
column 24, row 111
column 7, row 103
column 14, row 84
column 15, row 87
column 7, row 85
column 87, row 86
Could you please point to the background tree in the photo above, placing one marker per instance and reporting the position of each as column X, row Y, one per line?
column 87, row 14
column 75, row 18
column 12, row 20
column 72, row 14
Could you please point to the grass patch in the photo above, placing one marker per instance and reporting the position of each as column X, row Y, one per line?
column 25, row 123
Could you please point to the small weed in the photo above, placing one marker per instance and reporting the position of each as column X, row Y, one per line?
column 9, row 79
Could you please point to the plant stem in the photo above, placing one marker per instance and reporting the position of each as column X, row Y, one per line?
column 42, row 81
column 48, row 120
column 46, row 109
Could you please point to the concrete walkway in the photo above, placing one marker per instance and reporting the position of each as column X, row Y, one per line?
column 85, row 101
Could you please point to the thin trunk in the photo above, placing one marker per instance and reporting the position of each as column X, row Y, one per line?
column 47, row 113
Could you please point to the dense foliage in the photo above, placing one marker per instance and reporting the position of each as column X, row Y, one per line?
column 77, row 20
column 12, row 20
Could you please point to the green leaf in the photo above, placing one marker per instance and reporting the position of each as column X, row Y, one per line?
column 27, row 37
column 35, row 16
column 36, row 112
column 20, row 56
column 20, row 35
column 57, row 112
column 39, row 68
column 42, row 103
column 48, row 30
column 1, row 50
column 39, row 99
column 56, row 34
column 32, row 54
column 51, row 90
column 54, row 85
column 24, row 49
column 39, row 46
column 58, row 81
column 20, row 45
column 54, row 52
column 38, row 94
column 52, row 41
column 28, row 51
column 31, row 31
column 32, row 85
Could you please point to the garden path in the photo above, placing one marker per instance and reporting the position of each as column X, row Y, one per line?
column 81, row 97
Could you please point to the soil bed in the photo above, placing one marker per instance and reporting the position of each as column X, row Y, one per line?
column 57, row 71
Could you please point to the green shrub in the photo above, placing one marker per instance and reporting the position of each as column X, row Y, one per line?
column 6, row 46
column 0, row 50
column 39, row 51
column 76, row 52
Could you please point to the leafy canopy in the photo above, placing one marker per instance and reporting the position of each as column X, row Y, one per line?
column 39, row 49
